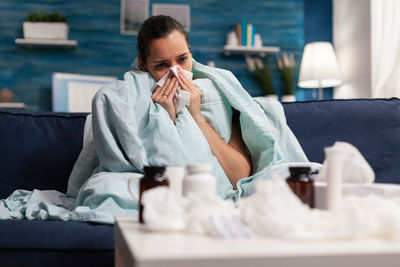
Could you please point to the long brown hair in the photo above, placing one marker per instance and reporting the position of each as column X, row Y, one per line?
column 157, row 27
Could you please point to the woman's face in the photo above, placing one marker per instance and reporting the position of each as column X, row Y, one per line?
column 168, row 52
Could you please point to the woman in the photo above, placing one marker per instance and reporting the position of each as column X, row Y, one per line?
column 162, row 44
column 136, row 122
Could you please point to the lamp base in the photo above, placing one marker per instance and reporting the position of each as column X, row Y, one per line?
column 320, row 93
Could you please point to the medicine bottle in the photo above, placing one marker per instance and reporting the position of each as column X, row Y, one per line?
column 199, row 180
column 301, row 184
column 153, row 177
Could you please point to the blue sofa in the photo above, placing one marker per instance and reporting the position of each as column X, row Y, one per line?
column 38, row 150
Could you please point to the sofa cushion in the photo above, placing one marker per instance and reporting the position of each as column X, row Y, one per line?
column 56, row 243
column 38, row 149
column 371, row 125
column 24, row 234
column 58, row 258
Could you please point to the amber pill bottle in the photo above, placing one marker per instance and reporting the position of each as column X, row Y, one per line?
column 153, row 177
column 302, row 184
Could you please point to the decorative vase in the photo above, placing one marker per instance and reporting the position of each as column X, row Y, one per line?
column 6, row 95
column 275, row 97
column 288, row 98
column 45, row 30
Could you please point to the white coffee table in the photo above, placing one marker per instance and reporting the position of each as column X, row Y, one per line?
column 134, row 246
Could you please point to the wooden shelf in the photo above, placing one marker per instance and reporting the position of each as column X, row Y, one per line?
column 46, row 42
column 262, row 51
column 12, row 105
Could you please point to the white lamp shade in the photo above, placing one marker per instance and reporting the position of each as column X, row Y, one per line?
column 319, row 67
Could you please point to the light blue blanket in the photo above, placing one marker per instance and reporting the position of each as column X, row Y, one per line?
column 127, row 131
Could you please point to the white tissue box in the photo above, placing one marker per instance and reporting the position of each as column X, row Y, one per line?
column 383, row 190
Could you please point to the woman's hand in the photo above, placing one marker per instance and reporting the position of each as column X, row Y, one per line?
column 164, row 96
column 194, row 107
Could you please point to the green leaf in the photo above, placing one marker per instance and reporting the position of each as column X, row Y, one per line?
column 45, row 17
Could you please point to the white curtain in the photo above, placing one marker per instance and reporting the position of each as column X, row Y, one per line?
column 385, row 48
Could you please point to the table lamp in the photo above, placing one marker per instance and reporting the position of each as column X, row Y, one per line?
column 319, row 67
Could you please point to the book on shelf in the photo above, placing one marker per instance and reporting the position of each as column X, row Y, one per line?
column 253, row 33
column 249, row 33
column 238, row 30
column 245, row 33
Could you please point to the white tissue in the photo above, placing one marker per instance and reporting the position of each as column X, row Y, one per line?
column 181, row 97
column 196, row 214
column 274, row 211
column 353, row 168
column 200, row 212
column 163, row 209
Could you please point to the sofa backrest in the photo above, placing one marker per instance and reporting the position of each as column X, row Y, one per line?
column 371, row 125
column 38, row 149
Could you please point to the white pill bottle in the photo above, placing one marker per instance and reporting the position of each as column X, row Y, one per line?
column 200, row 180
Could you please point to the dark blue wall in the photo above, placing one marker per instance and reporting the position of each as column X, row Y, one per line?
column 102, row 50
column 94, row 24
column 318, row 27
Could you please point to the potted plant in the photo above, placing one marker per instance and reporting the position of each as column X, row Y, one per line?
column 262, row 74
column 287, row 66
column 45, row 26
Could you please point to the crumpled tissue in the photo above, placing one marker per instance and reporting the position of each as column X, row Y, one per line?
column 354, row 168
column 195, row 214
column 274, row 211
column 181, row 97
column 164, row 209
column 202, row 212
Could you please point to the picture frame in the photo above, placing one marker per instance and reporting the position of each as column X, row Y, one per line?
column 133, row 14
column 180, row 12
